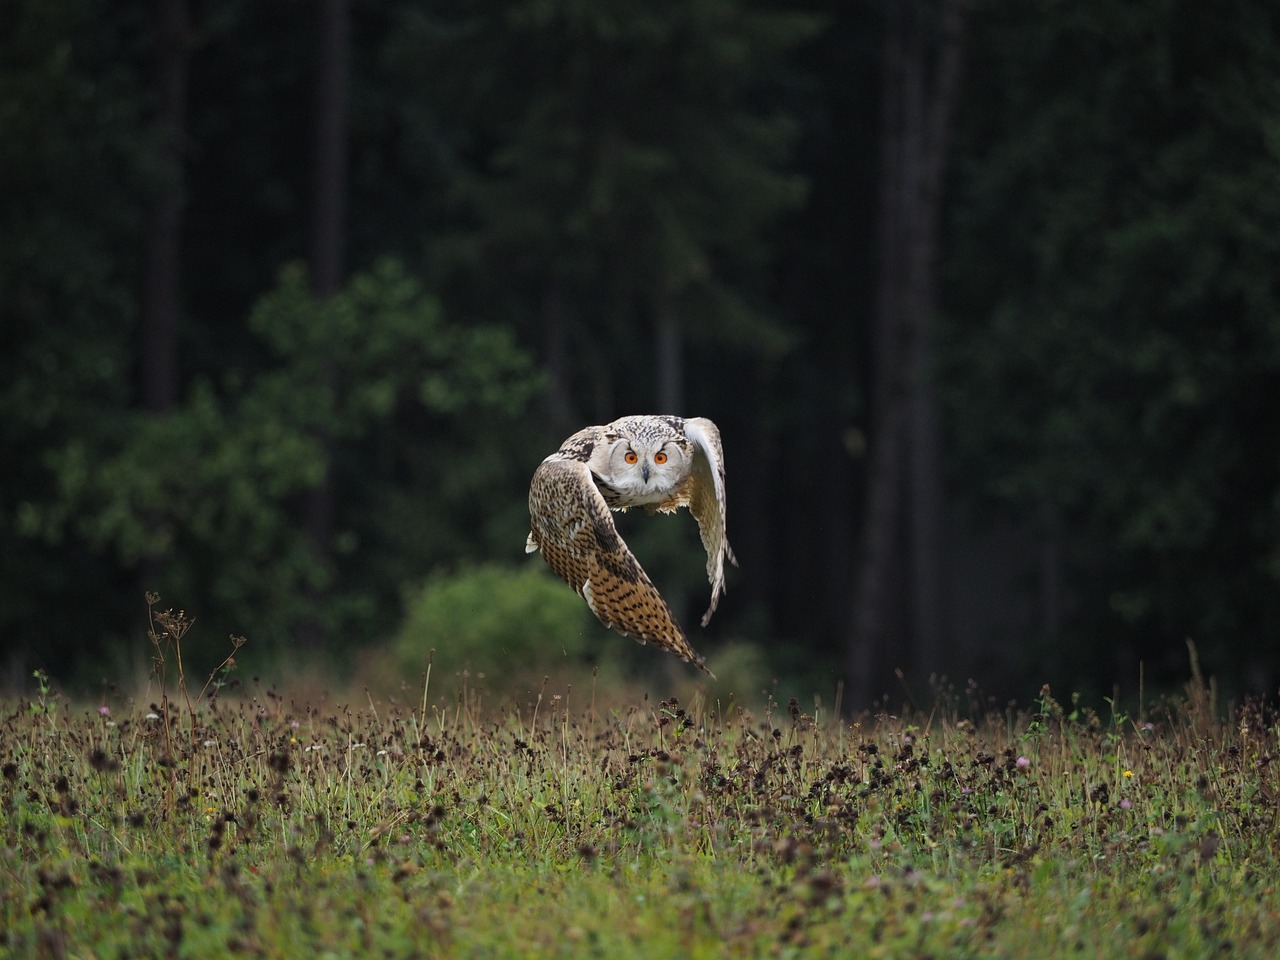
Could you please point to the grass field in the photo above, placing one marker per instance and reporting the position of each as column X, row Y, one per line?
column 262, row 826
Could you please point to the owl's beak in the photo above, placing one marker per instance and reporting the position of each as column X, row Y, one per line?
column 644, row 472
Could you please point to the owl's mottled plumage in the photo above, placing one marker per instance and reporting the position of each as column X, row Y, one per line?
column 655, row 462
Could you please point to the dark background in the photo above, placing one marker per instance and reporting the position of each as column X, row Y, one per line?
column 984, row 297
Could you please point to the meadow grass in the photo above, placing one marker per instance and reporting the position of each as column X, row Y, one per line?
column 268, row 826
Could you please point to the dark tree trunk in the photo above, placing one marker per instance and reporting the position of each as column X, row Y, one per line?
column 670, row 360
column 162, row 283
column 158, row 355
column 879, row 562
column 1052, row 574
column 877, row 594
column 328, row 268
column 928, row 516
column 555, row 331
column 329, row 212
column 901, row 566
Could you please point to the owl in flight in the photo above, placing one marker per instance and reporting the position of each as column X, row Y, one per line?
column 659, row 463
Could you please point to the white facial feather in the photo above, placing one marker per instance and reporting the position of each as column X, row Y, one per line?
column 642, row 472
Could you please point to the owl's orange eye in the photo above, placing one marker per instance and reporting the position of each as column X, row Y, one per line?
column 631, row 457
column 659, row 458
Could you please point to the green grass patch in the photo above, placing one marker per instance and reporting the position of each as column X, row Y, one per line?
column 270, row 827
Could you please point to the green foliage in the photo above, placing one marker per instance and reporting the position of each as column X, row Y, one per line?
column 1114, row 347
column 348, row 361
column 272, row 826
column 208, row 497
column 616, row 185
column 494, row 621
column 71, row 169
column 350, row 358
column 632, row 155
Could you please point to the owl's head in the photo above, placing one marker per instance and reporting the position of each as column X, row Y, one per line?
column 644, row 468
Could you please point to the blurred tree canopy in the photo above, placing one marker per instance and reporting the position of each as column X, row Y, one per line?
column 1114, row 324
column 559, row 212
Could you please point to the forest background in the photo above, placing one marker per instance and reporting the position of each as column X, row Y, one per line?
column 984, row 296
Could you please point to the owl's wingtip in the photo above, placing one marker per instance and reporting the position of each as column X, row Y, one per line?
column 715, row 602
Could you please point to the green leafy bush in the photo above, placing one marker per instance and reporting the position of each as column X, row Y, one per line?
column 493, row 620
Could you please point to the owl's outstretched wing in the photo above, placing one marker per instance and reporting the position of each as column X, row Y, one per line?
column 704, row 495
column 572, row 526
